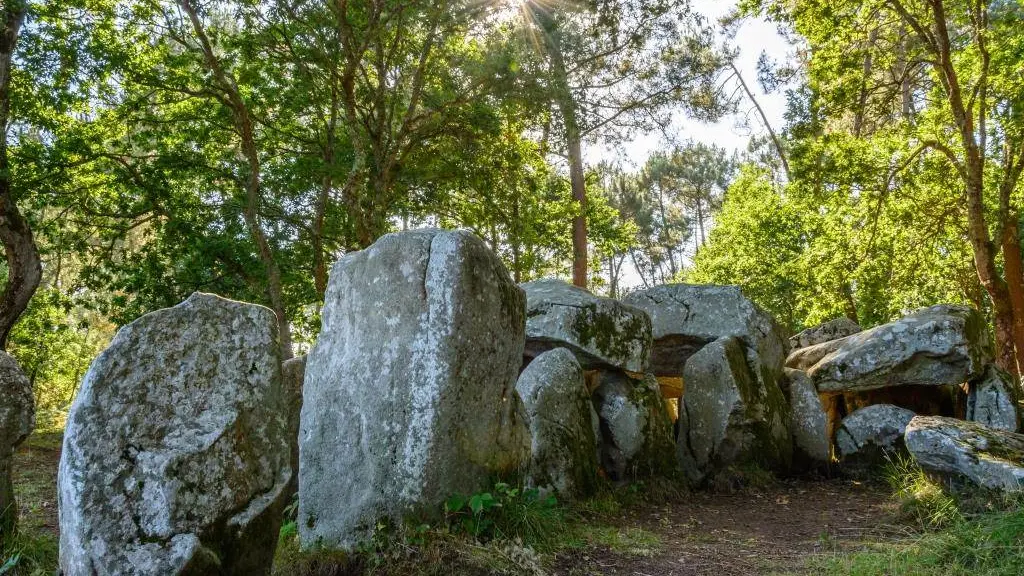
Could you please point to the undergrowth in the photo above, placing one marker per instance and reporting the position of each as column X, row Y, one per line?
column 972, row 533
column 28, row 554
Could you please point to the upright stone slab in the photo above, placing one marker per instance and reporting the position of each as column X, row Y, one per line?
column 293, row 373
column 603, row 333
column 728, row 416
column 992, row 400
column 808, row 420
column 564, row 448
column 686, row 317
column 17, row 419
column 409, row 394
column 176, row 453
column 635, row 429
column 869, row 433
column 825, row 332
column 937, row 346
column 967, row 451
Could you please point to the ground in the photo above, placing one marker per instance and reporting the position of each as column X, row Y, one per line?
column 778, row 528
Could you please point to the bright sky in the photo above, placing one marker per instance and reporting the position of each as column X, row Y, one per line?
column 754, row 37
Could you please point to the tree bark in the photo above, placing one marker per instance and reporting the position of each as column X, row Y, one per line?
column 23, row 262
column 1014, row 269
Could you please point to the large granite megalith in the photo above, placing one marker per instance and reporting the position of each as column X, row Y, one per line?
column 967, row 452
column 602, row 332
column 938, row 346
column 409, row 394
column 564, row 447
column 727, row 416
column 17, row 419
column 176, row 452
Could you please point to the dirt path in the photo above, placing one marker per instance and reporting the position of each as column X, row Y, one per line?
column 773, row 530
column 770, row 531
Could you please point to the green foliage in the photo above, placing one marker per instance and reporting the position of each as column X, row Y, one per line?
column 923, row 502
column 507, row 513
column 29, row 555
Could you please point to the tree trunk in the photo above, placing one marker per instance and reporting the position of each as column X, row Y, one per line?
column 577, row 178
column 1015, row 286
column 23, row 264
column 764, row 119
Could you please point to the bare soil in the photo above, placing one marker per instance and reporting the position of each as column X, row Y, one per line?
column 773, row 530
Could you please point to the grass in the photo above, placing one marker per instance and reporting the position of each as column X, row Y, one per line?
column 956, row 534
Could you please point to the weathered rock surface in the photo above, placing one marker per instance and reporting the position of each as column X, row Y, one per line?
column 970, row 451
column 17, row 419
column 805, row 358
column 176, row 455
column 563, row 446
column 686, row 317
column 825, row 332
column 602, row 332
column 869, row 433
column 293, row 372
column 808, row 420
column 409, row 395
column 728, row 416
column 937, row 346
column 635, row 429
column 992, row 400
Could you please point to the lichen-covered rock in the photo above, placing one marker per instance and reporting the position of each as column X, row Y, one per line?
column 563, row 446
column 728, row 416
column 960, row 450
column 992, row 400
column 866, row 435
column 293, row 372
column 603, row 333
column 826, row 332
column 805, row 358
column 409, row 395
column 636, row 432
column 808, row 420
column 17, row 419
column 937, row 346
column 176, row 457
column 686, row 317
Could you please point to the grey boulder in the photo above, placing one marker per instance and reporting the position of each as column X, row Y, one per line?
column 635, row 429
column 967, row 451
column 935, row 346
column 17, row 419
column 686, row 317
column 728, row 416
column 293, row 372
column 563, row 445
column 602, row 332
column 992, row 400
column 808, row 420
column 175, row 457
column 409, row 394
column 866, row 435
column 825, row 332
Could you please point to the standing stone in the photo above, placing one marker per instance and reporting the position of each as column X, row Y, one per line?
column 808, row 420
column 935, row 346
column 175, row 457
column 686, row 317
column 635, row 429
column 602, row 332
column 293, row 372
column 992, row 400
column 960, row 450
column 564, row 448
column 17, row 419
column 409, row 394
column 866, row 435
column 728, row 416
column 826, row 332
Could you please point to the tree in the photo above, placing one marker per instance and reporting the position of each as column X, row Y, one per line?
column 613, row 67
column 957, row 96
